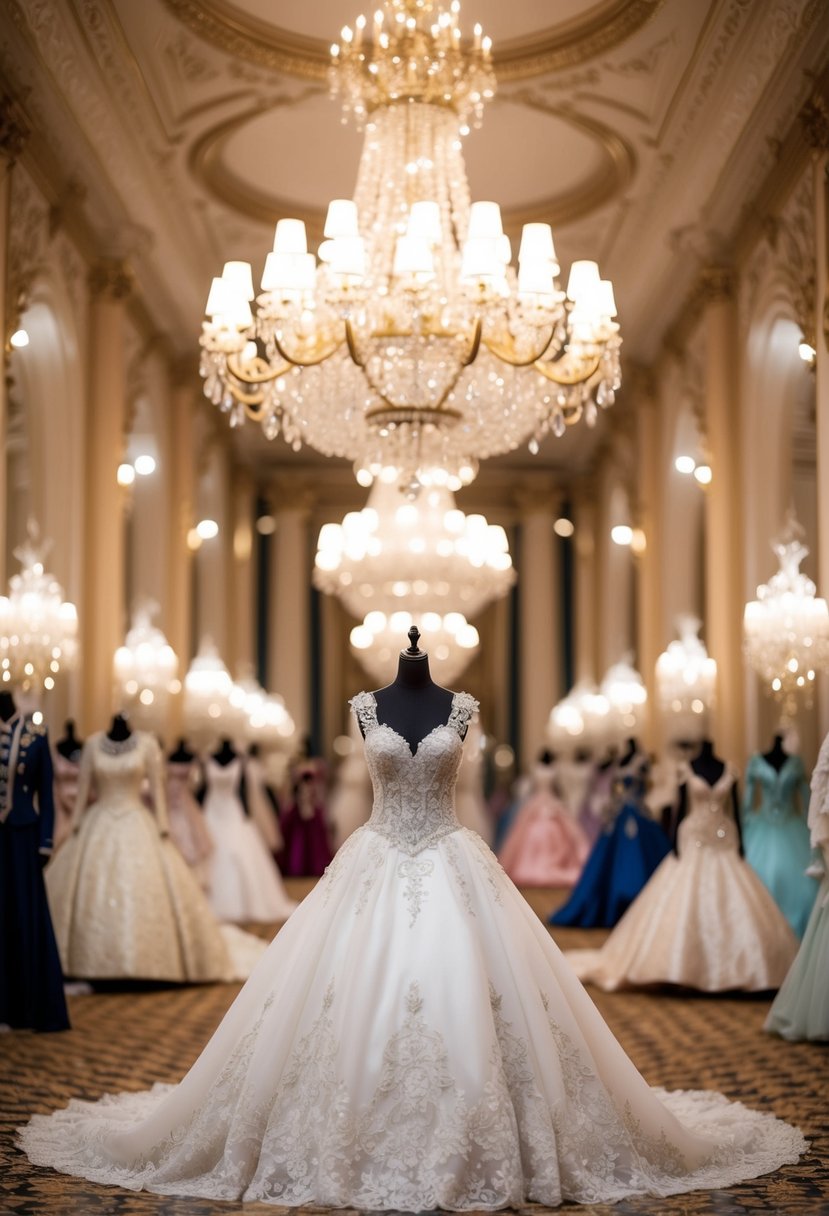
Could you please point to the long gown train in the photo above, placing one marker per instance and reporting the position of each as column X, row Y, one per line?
column 412, row 1039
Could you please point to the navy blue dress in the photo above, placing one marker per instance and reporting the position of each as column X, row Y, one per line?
column 623, row 858
column 31, row 981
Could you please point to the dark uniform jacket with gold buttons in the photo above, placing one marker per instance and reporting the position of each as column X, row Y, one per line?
column 26, row 795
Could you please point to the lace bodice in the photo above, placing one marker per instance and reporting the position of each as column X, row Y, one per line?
column 709, row 822
column 414, row 803
column 118, row 770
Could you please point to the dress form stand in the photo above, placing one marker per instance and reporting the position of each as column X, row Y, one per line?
column 119, row 729
column 7, row 706
column 225, row 752
column 69, row 746
column 67, row 769
column 776, row 756
column 413, row 705
column 182, row 753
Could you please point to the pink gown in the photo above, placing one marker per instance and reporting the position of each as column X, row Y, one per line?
column 66, row 791
column 546, row 846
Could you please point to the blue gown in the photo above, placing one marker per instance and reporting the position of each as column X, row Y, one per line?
column 624, row 857
column 775, row 835
column 31, row 980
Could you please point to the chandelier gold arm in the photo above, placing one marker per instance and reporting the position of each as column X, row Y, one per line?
column 255, row 371
column 567, row 371
column 320, row 352
column 507, row 351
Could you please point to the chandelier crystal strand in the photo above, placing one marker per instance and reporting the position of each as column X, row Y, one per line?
column 414, row 347
column 580, row 720
column 145, row 670
column 38, row 628
column 209, row 711
column 786, row 629
column 625, row 691
column 686, row 681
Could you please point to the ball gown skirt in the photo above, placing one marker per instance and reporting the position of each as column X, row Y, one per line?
column 704, row 920
column 622, row 860
column 412, row 1039
column 245, row 884
column 31, row 989
column 546, row 847
column 125, row 904
column 801, row 1007
column 776, row 838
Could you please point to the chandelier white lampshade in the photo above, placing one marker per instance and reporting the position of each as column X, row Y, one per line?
column 786, row 629
column 627, row 697
column 38, row 627
column 423, row 555
column 449, row 640
column 266, row 721
column 211, row 708
column 686, row 682
column 422, row 346
column 581, row 720
column 145, row 670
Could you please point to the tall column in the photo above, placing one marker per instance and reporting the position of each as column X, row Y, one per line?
column 585, row 586
column 817, row 130
column 242, row 582
column 178, row 610
column 289, row 638
column 724, row 591
column 13, row 136
column 539, row 640
column 649, row 640
column 213, row 559
column 104, row 552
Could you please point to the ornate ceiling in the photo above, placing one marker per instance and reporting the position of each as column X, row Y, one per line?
column 181, row 130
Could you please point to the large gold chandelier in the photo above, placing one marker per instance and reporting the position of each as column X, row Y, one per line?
column 413, row 347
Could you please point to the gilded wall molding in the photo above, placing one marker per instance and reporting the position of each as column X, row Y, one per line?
column 604, row 26
column 14, row 130
column 111, row 278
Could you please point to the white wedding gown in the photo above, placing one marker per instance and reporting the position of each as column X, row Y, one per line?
column 412, row 1039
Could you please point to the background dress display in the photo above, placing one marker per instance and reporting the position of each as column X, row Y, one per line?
column 124, row 901
column 801, row 1007
column 66, row 774
column 597, row 809
column 350, row 801
column 775, row 835
column 245, row 884
column 188, row 829
column 623, row 858
column 307, row 848
column 704, row 920
column 31, row 981
column 362, row 1067
column 546, row 847
column 470, row 804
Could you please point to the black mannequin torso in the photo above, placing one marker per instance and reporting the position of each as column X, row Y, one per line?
column 7, row 706
column 413, row 705
column 182, row 754
column 69, row 745
column 225, row 753
column 631, row 748
column 119, row 729
column 776, row 757
column 707, row 765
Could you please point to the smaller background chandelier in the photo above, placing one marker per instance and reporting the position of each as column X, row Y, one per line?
column 786, row 629
column 209, row 712
column 38, row 628
column 422, row 560
column 145, row 670
column 686, row 679
column 627, row 697
column 266, row 721
column 581, row 720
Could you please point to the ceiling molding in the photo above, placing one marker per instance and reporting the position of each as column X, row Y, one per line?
column 607, row 181
column 603, row 27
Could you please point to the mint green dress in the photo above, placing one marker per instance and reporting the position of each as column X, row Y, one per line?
column 801, row 1007
column 775, row 836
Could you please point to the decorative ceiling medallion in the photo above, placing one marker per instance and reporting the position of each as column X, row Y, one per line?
column 567, row 45
column 607, row 180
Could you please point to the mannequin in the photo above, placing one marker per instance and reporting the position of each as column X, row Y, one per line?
column 31, row 982
column 225, row 753
column 119, row 729
column 69, row 746
column 710, row 767
column 413, row 705
column 631, row 748
column 182, row 754
column 776, row 756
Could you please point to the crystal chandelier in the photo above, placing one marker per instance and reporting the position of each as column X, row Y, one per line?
column 145, row 670
column 208, row 709
column 445, row 565
column 627, row 697
column 786, row 629
column 686, row 680
column 266, row 720
column 413, row 345
column 38, row 628
column 580, row 720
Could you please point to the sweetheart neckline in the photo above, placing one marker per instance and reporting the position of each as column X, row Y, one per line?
column 440, row 726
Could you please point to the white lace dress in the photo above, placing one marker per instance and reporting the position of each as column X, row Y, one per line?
column 412, row 1039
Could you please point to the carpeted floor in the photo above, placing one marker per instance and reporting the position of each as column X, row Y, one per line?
column 128, row 1039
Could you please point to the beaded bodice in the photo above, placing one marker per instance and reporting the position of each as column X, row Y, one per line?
column 709, row 822
column 414, row 803
column 775, row 794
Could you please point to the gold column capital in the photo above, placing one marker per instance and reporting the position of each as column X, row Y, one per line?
column 111, row 278
column 716, row 283
column 815, row 120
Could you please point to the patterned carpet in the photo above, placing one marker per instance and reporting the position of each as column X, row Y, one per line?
column 126, row 1039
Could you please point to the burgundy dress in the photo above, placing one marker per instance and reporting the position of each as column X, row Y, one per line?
column 307, row 848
